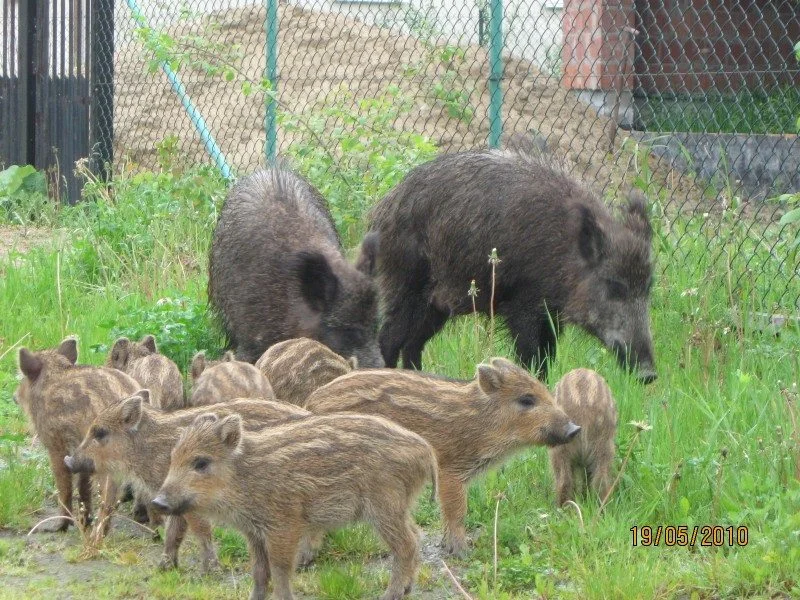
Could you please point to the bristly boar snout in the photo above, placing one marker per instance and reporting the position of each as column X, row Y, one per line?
column 572, row 430
column 162, row 504
column 370, row 357
column 557, row 436
column 640, row 361
column 77, row 464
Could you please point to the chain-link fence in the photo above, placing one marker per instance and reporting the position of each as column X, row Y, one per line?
column 694, row 101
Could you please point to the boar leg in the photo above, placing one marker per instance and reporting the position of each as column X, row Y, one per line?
column 401, row 317
column 259, row 555
column 600, row 477
column 401, row 535
column 108, row 502
column 534, row 339
column 201, row 529
column 282, row 546
column 453, row 499
column 175, row 531
column 85, row 498
column 309, row 546
column 562, row 472
column 63, row 478
column 425, row 327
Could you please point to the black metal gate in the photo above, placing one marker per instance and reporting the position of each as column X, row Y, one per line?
column 56, row 88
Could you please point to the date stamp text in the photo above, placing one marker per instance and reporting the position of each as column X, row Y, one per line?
column 683, row 535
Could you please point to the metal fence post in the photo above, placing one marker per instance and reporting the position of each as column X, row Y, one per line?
column 271, row 74
column 495, row 72
column 192, row 111
column 102, row 77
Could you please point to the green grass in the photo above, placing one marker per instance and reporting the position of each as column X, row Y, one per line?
column 342, row 582
column 743, row 112
column 719, row 449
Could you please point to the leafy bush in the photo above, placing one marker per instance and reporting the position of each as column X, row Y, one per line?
column 358, row 161
column 23, row 196
column 181, row 325
column 161, row 219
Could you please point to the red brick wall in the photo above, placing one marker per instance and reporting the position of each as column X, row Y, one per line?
column 683, row 46
column 597, row 47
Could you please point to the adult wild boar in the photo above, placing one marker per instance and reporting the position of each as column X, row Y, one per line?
column 277, row 271
column 564, row 258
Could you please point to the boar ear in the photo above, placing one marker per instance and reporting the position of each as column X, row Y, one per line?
column 30, row 364
column 198, row 365
column 591, row 240
column 368, row 254
column 149, row 342
column 318, row 283
column 229, row 431
column 69, row 349
column 636, row 217
column 489, row 379
column 208, row 417
column 119, row 353
column 503, row 364
column 131, row 411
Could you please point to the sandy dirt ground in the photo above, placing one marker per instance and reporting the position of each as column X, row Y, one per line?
column 324, row 57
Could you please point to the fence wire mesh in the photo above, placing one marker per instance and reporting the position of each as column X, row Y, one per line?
column 693, row 101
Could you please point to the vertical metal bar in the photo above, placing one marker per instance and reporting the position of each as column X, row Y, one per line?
column 495, row 72
column 270, row 125
column 8, row 39
column 79, row 39
column 101, row 40
column 71, row 39
column 28, row 63
column 62, row 27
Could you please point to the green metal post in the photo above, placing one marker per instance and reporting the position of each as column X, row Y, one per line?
column 495, row 72
column 271, row 25
column 192, row 111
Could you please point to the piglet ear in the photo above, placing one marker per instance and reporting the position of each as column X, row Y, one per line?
column 69, row 349
column 119, row 353
column 229, row 431
column 30, row 365
column 489, row 378
column 503, row 364
column 353, row 362
column 149, row 342
column 208, row 417
column 318, row 282
column 229, row 356
column 198, row 365
column 131, row 411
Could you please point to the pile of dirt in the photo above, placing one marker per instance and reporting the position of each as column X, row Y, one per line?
column 329, row 56
column 18, row 238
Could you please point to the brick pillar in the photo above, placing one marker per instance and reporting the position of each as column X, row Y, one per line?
column 595, row 40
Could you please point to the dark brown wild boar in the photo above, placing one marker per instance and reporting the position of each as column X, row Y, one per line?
column 61, row 398
column 152, row 370
column 563, row 257
column 301, row 479
column 297, row 367
column 131, row 441
column 277, row 271
column 585, row 396
column 226, row 379
column 472, row 425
